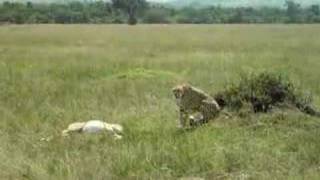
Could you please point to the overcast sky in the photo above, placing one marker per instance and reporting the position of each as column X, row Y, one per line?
column 69, row 0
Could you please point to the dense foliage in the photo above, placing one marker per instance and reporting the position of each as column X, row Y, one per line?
column 131, row 8
column 121, row 12
column 262, row 92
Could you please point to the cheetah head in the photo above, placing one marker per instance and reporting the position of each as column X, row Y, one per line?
column 180, row 90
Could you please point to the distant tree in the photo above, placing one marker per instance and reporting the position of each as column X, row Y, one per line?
column 272, row 15
column 157, row 15
column 192, row 15
column 29, row 5
column 131, row 7
column 293, row 10
column 313, row 14
column 237, row 17
column 315, row 9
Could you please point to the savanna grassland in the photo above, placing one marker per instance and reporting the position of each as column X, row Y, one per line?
column 52, row 75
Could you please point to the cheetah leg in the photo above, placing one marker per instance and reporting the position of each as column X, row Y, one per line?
column 196, row 119
column 182, row 118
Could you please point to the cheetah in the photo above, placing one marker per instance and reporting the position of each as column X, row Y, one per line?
column 193, row 100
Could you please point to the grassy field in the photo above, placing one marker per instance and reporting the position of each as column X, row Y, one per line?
column 52, row 75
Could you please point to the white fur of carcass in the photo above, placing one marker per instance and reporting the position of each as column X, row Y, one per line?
column 94, row 126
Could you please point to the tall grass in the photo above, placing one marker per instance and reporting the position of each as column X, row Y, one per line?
column 52, row 75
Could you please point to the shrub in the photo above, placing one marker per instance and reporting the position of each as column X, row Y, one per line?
column 263, row 92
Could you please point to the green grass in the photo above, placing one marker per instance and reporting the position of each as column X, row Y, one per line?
column 52, row 75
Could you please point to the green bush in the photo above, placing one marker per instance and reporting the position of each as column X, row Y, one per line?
column 263, row 92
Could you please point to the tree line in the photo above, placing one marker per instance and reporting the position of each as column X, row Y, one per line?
column 139, row 11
